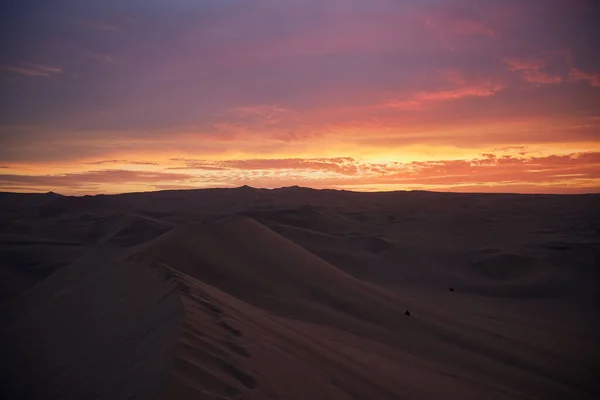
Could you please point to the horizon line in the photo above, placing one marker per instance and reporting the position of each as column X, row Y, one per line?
column 305, row 188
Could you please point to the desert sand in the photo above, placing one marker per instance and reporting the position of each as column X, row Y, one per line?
column 297, row 293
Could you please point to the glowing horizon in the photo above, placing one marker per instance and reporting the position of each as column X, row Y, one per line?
column 345, row 94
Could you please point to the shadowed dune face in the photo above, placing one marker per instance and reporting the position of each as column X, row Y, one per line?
column 132, row 230
column 312, row 218
column 371, row 244
column 100, row 329
column 297, row 293
column 505, row 267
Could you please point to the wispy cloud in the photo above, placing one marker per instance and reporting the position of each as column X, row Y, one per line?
column 267, row 113
column 418, row 100
column 344, row 165
column 129, row 162
column 99, row 57
column 45, row 68
column 533, row 71
column 31, row 69
column 90, row 179
column 591, row 78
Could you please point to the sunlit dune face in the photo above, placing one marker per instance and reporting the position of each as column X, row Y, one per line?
column 363, row 95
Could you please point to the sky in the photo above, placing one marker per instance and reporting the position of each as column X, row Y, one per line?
column 368, row 95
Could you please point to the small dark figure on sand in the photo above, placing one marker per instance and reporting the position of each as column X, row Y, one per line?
column 452, row 289
column 407, row 313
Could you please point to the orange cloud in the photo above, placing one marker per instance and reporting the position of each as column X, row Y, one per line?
column 88, row 181
column 342, row 165
column 580, row 172
column 126, row 162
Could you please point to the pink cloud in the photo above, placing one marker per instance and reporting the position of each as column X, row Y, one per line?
column 31, row 69
column 342, row 30
column 450, row 18
column 532, row 71
column 541, row 77
column 525, row 65
column 592, row 79
column 24, row 71
column 416, row 101
column 45, row 68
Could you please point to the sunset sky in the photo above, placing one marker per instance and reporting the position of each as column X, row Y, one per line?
column 459, row 95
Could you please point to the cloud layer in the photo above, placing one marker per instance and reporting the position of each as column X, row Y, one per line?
column 568, row 173
column 331, row 90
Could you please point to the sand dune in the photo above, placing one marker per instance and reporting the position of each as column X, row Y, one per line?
column 97, row 329
column 130, row 230
column 248, row 294
column 248, row 260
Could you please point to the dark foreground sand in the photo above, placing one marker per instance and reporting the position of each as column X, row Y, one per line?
column 299, row 294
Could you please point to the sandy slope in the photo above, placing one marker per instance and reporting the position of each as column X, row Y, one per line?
column 294, row 302
column 98, row 329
